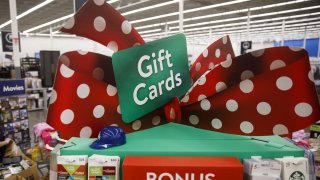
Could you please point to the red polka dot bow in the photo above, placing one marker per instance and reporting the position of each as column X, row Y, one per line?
column 269, row 91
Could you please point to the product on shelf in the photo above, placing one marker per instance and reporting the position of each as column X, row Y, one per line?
column 294, row 168
column 103, row 167
column 72, row 167
column 257, row 168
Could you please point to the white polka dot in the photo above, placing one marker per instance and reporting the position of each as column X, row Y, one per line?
column 185, row 99
column 172, row 114
column 82, row 52
column 227, row 63
column 202, row 80
column 70, row 23
column 232, row 105
column 111, row 90
column 65, row 71
column 276, row 64
column 280, row 129
column 257, row 53
column 310, row 75
column 205, row 104
column 201, row 97
column 115, row 125
column 216, row 123
column 53, row 97
column 220, row 86
column 65, row 60
column 264, row 108
column 98, row 111
column 126, row 27
column 99, row 24
column 156, row 120
column 136, row 125
column 224, row 40
column 246, row 127
column 193, row 119
column 217, row 53
column 247, row 74
column 303, row 109
column 246, row 86
column 295, row 48
column 211, row 66
column 119, row 109
column 67, row 116
column 198, row 66
column 83, row 91
column 86, row 132
column 113, row 46
column 136, row 44
column 284, row 83
column 99, row 2
column 98, row 74
column 205, row 53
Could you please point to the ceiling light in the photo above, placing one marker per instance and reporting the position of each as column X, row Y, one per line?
column 48, row 23
column 27, row 12
column 149, row 7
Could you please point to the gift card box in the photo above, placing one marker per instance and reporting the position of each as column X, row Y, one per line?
column 72, row 167
column 181, row 167
column 103, row 167
column 261, row 169
column 294, row 168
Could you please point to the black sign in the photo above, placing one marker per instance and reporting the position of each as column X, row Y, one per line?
column 12, row 87
column 78, row 4
column 245, row 45
column 6, row 37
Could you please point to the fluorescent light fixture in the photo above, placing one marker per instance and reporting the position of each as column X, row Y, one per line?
column 225, row 13
column 27, row 12
column 149, row 31
column 48, row 23
column 149, row 7
column 188, row 11
column 112, row 1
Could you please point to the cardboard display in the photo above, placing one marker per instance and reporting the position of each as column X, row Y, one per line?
column 184, row 167
column 30, row 173
column 181, row 140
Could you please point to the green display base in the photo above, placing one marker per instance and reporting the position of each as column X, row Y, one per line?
column 180, row 140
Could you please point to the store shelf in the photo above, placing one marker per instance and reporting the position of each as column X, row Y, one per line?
column 36, row 109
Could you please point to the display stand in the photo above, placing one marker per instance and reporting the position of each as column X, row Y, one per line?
column 14, row 115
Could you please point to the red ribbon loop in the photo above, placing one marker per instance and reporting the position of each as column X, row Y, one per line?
column 172, row 111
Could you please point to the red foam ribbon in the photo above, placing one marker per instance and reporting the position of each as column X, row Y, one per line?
column 269, row 91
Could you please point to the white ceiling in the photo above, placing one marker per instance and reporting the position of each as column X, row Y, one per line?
column 202, row 18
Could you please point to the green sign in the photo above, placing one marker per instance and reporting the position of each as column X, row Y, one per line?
column 150, row 75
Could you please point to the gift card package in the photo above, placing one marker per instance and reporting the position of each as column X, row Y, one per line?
column 103, row 167
column 294, row 168
column 261, row 169
column 72, row 167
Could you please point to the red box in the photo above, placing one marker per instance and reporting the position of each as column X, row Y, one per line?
column 181, row 168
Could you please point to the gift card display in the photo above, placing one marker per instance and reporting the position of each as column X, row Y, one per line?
column 156, row 72
column 294, row 168
column 72, row 167
column 103, row 167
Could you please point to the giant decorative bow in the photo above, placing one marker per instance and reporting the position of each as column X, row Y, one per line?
column 269, row 91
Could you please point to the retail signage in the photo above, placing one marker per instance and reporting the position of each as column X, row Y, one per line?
column 150, row 75
column 7, row 40
column 181, row 168
column 12, row 87
column 245, row 45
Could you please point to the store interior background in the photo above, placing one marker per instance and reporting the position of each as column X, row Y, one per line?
column 266, row 23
